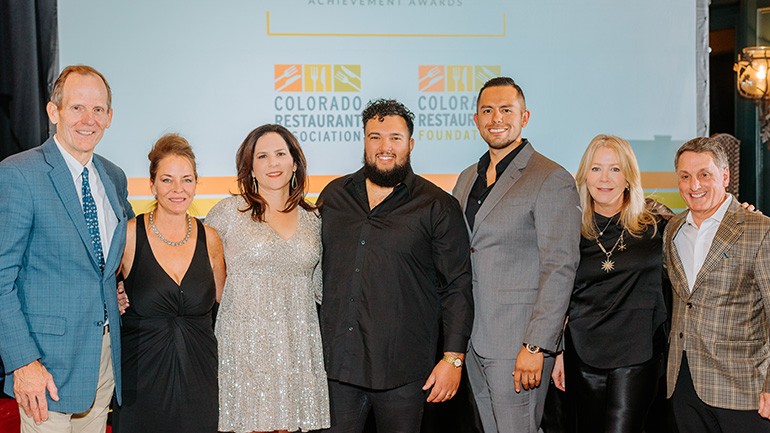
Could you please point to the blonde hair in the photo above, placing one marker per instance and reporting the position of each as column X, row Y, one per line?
column 635, row 217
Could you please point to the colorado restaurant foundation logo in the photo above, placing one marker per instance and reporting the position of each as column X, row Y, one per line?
column 319, row 102
column 454, row 78
column 447, row 100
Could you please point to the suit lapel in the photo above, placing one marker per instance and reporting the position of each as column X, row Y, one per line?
column 115, row 203
column 730, row 229
column 676, row 270
column 465, row 184
column 61, row 178
column 506, row 181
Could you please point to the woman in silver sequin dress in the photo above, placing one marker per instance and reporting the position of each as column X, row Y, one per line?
column 271, row 372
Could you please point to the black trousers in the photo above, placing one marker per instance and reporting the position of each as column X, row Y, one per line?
column 397, row 410
column 612, row 400
column 695, row 416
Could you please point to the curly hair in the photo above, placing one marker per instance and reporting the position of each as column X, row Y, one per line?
column 380, row 108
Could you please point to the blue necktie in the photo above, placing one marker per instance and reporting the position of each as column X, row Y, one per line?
column 89, row 210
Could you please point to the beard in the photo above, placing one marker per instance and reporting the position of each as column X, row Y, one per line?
column 500, row 144
column 387, row 178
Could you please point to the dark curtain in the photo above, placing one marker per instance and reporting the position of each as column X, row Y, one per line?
column 28, row 67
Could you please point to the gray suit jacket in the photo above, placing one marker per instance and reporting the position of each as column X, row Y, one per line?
column 524, row 253
column 52, row 293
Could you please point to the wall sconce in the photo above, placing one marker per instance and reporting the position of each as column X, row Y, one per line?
column 752, row 69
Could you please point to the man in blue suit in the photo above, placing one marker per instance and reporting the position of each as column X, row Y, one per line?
column 63, row 211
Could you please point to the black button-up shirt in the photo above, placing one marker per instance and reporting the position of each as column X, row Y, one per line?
column 391, row 276
column 480, row 190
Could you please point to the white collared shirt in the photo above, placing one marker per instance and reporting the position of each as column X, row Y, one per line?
column 108, row 221
column 693, row 243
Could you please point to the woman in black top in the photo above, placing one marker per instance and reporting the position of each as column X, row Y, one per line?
column 174, row 268
column 615, row 335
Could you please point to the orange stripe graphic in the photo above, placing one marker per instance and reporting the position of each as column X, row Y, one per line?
column 224, row 185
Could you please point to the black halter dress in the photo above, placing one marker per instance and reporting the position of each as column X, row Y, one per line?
column 169, row 356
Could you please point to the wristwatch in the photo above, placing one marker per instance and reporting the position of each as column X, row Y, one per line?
column 456, row 362
column 531, row 348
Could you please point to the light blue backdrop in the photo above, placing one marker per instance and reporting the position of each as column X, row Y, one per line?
column 212, row 70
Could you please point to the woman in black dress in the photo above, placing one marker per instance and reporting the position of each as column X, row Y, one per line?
column 615, row 335
column 174, row 270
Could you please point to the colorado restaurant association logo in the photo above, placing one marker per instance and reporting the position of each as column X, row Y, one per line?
column 317, row 78
column 319, row 103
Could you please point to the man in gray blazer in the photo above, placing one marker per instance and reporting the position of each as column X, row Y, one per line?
column 63, row 211
column 522, row 213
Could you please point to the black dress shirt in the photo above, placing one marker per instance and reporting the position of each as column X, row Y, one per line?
column 480, row 190
column 391, row 276
column 615, row 317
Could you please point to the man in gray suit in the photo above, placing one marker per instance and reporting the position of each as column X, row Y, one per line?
column 63, row 211
column 522, row 213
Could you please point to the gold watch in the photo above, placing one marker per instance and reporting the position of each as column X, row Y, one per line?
column 456, row 362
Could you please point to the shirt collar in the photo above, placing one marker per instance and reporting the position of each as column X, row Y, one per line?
column 718, row 215
column 74, row 166
column 485, row 160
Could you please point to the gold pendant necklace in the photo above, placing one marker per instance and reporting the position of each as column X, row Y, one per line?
column 609, row 264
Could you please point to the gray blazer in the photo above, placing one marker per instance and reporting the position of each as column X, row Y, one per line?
column 524, row 252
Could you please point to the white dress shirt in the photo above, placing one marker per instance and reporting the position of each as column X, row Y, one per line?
column 693, row 243
column 105, row 214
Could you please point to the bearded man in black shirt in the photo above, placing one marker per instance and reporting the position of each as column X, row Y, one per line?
column 396, row 269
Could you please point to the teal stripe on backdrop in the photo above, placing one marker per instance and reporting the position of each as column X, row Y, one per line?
column 656, row 154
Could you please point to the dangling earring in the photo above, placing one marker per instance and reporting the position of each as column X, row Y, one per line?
column 254, row 181
column 293, row 180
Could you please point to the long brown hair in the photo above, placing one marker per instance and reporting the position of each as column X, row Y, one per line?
column 244, row 161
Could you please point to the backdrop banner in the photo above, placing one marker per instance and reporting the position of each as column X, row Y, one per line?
column 214, row 71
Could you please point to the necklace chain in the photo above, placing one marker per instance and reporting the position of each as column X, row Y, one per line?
column 173, row 244
column 609, row 264
column 601, row 232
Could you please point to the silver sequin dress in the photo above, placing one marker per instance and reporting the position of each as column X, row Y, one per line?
column 271, row 371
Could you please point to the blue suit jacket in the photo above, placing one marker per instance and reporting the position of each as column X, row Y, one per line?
column 52, row 293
